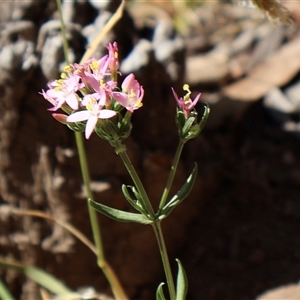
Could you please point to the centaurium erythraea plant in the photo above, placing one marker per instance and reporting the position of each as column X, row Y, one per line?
column 92, row 101
column 88, row 93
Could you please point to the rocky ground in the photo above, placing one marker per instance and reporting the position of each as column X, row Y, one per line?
column 237, row 234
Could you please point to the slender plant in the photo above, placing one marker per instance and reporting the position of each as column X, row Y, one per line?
column 89, row 95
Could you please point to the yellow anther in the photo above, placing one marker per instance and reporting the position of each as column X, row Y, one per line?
column 94, row 65
column 68, row 68
column 132, row 94
column 91, row 103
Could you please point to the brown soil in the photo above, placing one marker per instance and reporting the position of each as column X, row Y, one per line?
column 237, row 233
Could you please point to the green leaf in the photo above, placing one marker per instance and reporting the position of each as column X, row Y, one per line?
column 135, row 203
column 119, row 215
column 189, row 122
column 180, row 196
column 4, row 292
column 204, row 117
column 182, row 282
column 39, row 276
column 160, row 293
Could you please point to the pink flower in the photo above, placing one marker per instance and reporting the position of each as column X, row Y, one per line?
column 48, row 98
column 99, row 68
column 185, row 103
column 132, row 94
column 65, row 91
column 113, row 57
column 94, row 111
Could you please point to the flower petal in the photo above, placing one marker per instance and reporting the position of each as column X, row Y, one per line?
column 90, row 125
column 106, row 114
column 72, row 100
column 122, row 98
column 79, row 116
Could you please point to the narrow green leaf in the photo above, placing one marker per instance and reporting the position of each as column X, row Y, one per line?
column 133, row 202
column 4, row 292
column 39, row 276
column 204, row 117
column 182, row 282
column 119, row 215
column 188, row 123
column 160, row 293
column 181, row 194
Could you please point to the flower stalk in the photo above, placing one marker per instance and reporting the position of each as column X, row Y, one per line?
column 113, row 280
column 156, row 225
column 171, row 175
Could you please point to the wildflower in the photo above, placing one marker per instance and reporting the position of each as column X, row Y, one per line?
column 94, row 110
column 187, row 116
column 64, row 90
column 99, row 68
column 185, row 103
column 113, row 58
column 132, row 94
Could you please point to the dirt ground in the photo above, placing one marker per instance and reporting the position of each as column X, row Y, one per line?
column 236, row 234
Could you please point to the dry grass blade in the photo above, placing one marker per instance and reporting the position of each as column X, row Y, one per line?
column 274, row 10
column 65, row 225
column 108, row 26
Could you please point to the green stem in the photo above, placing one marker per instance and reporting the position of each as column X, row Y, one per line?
column 165, row 259
column 138, row 184
column 83, row 161
column 92, row 212
column 156, row 224
column 63, row 31
column 101, row 261
column 117, row 289
column 171, row 175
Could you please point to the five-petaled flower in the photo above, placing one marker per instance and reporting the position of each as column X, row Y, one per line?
column 132, row 94
column 94, row 104
column 185, row 103
column 65, row 90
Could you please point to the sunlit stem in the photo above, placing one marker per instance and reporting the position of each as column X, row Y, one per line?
column 63, row 31
column 165, row 259
column 83, row 161
column 92, row 212
column 156, row 224
column 110, row 275
column 171, row 175
column 121, row 151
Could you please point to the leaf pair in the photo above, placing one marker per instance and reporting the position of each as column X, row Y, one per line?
column 142, row 217
column 181, row 286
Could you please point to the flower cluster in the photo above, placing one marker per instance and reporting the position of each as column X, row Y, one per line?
column 88, row 92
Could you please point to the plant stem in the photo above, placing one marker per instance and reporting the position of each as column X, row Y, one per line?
column 83, row 161
column 63, row 31
column 134, row 176
column 92, row 212
column 171, row 176
column 101, row 261
column 165, row 259
column 156, row 224
column 107, row 270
